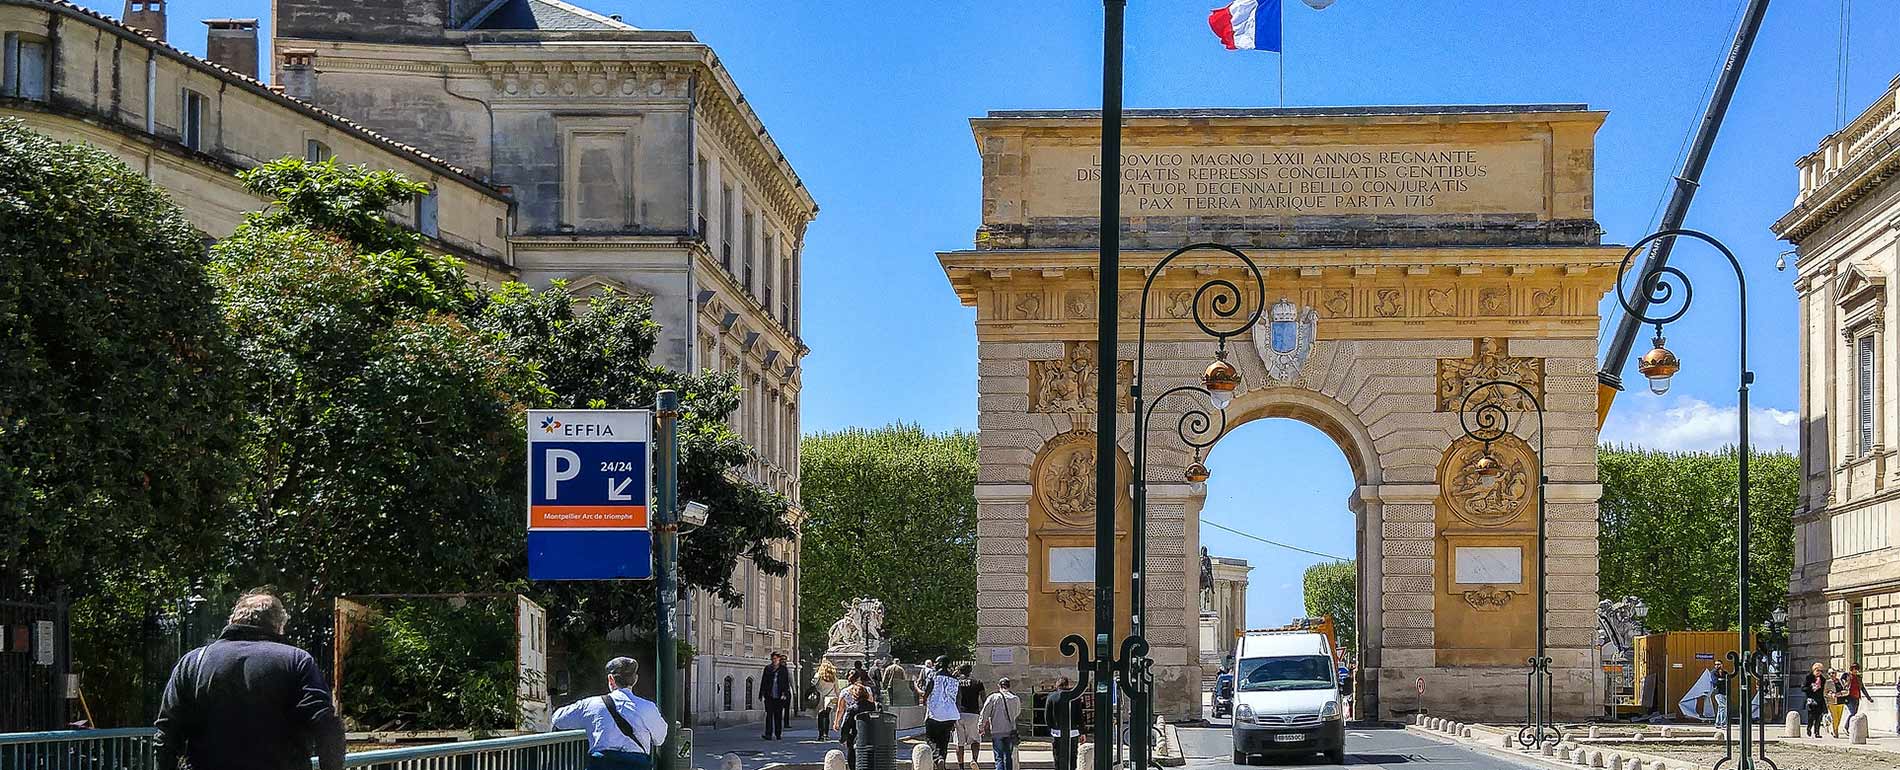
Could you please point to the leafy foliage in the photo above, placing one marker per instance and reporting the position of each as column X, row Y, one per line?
column 1668, row 533
column 116, row 419
column 433, row 664
column 383, row 448
column 593, row 354
column 891, row 514
column 1332, row 588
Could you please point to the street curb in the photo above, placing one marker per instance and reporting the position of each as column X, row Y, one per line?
column 1649, row 761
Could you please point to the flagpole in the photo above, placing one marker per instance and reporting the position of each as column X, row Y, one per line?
column 1282, row 57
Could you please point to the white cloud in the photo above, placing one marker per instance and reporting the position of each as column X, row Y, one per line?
column 1685, row 423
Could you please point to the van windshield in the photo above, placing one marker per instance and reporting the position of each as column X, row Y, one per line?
column 1290, row 672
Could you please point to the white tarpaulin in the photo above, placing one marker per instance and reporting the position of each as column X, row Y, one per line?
column 1699, row 701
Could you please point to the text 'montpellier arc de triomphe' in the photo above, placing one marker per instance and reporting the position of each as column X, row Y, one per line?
column 1434, row 247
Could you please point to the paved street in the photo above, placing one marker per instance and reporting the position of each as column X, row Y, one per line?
column 1212, row 747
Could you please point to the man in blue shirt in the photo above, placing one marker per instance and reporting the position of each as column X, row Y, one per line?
column 623, row 729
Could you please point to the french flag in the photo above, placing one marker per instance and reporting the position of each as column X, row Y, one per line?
column 1240, row 25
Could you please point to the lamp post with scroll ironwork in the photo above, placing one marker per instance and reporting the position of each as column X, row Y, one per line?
column 1217, row 309
column 1492, row 414
column 1656, row 286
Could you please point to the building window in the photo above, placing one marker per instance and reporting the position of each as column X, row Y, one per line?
column 426, row 214
column 745, row 236
column 725, row 689
column 765, row 283
column 725, row 227
column 25, row 65
column 785, row 282
column 704, row 179
column 315, row 151
column 1856, row 632
column 1864, row 394
column 749, row 690
column 191, row 119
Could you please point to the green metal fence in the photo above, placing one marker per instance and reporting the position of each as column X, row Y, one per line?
column 132, row 749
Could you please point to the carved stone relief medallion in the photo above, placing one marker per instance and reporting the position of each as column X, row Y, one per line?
column 1488, row 501
column 1459, row 376
column 1442, row 302
column 1068, row 385
column 1284, row 338
column 1076, row 598
column 1389, row 303
column 1488, row 598
column 1338, row 302
column 1065, row 480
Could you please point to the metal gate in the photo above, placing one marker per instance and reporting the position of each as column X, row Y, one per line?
column 35, row 656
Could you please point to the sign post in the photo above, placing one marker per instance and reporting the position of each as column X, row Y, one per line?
column 590, row 475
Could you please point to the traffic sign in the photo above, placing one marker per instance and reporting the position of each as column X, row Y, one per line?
column 590, row 481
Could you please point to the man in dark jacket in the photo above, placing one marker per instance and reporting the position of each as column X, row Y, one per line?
column 775, row 688
column 249, row 700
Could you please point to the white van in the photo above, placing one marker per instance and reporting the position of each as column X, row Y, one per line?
column 1286, row 696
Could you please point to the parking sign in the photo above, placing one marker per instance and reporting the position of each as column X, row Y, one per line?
column 590, row 481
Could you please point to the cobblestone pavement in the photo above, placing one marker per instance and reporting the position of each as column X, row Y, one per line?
column 1785, row 757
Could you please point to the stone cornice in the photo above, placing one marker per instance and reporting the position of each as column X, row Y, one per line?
column 1850, row 185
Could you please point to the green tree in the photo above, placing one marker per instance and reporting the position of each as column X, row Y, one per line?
column 891, row 515
column 116, row 421
column 1332, row 588
column 594, row 354
column 1667, row 533
column 384, row 442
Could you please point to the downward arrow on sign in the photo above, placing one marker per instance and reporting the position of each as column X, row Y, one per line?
column 619, row 491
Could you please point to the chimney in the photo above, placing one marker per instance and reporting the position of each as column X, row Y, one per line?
column 146, row 15
column 232, row 44
column 300, row 74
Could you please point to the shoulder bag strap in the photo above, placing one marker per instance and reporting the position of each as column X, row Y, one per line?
column 621, row 722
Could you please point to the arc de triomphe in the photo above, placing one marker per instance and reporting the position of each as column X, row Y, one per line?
column 1437, row 247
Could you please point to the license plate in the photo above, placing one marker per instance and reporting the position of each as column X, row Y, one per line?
column 1289, row 737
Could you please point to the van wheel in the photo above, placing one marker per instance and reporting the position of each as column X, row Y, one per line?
column 1240, row 758
column 1337, row 756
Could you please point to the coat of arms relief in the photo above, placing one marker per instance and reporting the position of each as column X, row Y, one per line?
column 1284, row 338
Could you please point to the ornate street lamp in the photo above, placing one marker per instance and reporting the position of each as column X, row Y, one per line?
column 1492, row 414
column 1217, row 310
column 1656, row 286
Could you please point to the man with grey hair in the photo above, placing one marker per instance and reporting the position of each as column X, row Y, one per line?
column 249, row 700
column 623, row 729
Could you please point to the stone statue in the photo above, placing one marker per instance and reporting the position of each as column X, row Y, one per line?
column 861, row 629
column 1207, row 580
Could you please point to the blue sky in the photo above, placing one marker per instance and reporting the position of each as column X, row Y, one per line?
column 871, row 101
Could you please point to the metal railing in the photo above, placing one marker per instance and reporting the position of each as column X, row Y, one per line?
column 133, row 749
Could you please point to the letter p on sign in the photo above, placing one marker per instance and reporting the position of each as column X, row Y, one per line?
column 563, row 465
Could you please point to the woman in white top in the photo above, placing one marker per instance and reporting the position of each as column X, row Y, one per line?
column 827, row 684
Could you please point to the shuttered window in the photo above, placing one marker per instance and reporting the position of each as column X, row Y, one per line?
column 1864, row 393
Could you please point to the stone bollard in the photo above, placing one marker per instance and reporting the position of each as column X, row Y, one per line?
column 1550, row 750
column 730, row 761
column 1596, row 759
column 1857, row 729
column 1507, row 741
column 1669, row 732
column 1792, row 728
column 1635, row 764
column 1466, row 732
column 1593, row 728
column 1563, row 753
column 1616, row 762
column 1419, row 720
column 923, row 757
column 834, row 760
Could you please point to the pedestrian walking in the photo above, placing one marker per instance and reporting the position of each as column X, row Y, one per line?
column 940, row 708
column 1814, row 687
column 1855, row 690
column 898, row 681
column 1719, row 678
column 775, row 688
column 1836, row 702
column 825, row 683
column 623, row 729
column 999, row 723
column 855, row 699
column 1065, row 731
column 969, row 730
column 249, row 700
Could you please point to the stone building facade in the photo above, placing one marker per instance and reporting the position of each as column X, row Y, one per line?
column 635, row 163
column 1432, row 248
column 620, row 158
column 1223, row 612
column 1844, row 595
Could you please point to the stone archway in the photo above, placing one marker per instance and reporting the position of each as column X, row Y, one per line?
column 1415, row 297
